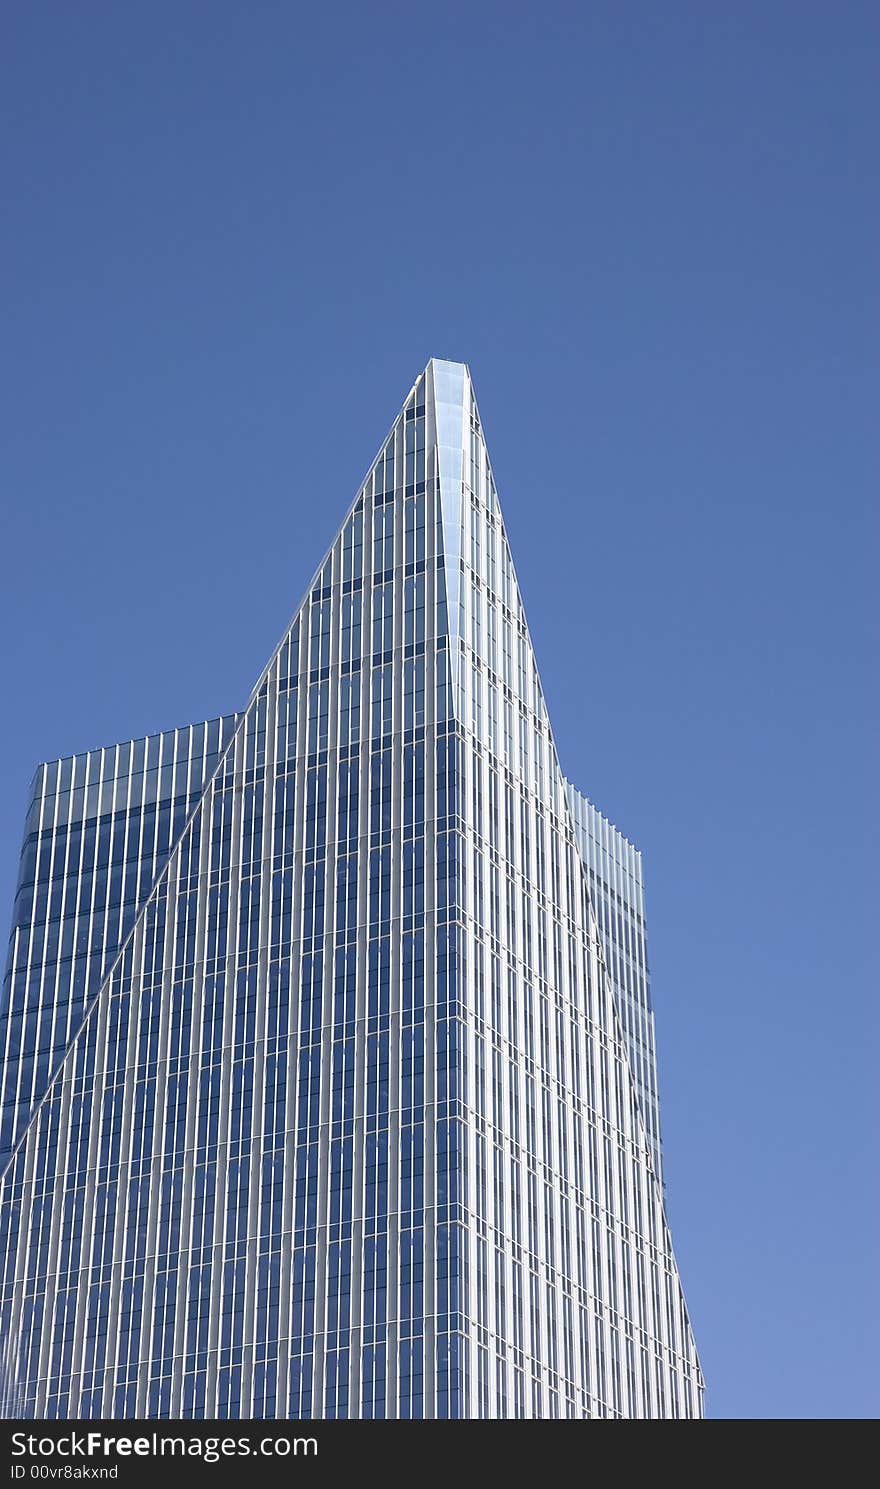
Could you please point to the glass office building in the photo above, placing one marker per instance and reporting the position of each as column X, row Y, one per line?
column 329, row 1084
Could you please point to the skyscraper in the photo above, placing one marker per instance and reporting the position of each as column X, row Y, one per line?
column 329, row 1086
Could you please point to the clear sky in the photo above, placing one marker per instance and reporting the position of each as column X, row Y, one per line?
column 233, row 235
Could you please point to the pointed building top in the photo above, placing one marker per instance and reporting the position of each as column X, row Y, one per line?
column 446, row 362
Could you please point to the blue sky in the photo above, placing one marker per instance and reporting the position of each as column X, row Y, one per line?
column 234, row 235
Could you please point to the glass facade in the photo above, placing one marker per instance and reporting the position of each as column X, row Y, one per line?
column 614, row 874
column 329, row 1084
column 99, row 829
